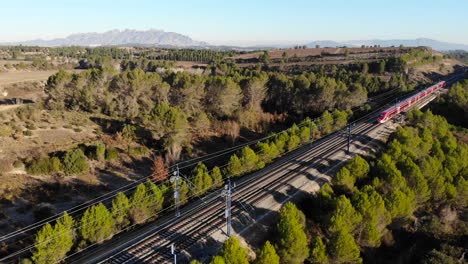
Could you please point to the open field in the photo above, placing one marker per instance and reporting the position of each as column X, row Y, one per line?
column 24, row 76
column 278, row 53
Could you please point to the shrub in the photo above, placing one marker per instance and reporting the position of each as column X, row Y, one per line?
column 111, row 153
column 27, row 133
column 18, row 164
column 75, row 162
column 43, row 165
column 5, row 131
column 100, row 151
column 137, row 151
column 30, row 126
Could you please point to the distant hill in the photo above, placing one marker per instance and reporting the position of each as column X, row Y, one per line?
column 434, row 44
column 118, row 37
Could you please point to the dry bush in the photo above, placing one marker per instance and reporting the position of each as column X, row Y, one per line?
column 5, row 130
column 232, row 130
column 159, row 170
column 173, row 153
column 5, row 165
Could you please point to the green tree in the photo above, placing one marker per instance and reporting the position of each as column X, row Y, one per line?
column 218, row 260
column 139, row 204
column 223, row 96
column 343, row 248
column 293, row 142
column 318, row 252
column 292, row 240
column 233, row 252
column 97, row 224
column 343, row 179
column 375, row 216
column 401, row 203
column 75, row 162
column 201, row 179
column 44, row 251
column 326, row 123
column 344, row 216
column 217, row 176
column 234, row 167
column 155, row 198
column 53, row 244
column 250, row 160
column 382, row 66
column 305, row 134
column 267, row 255
column 340, row 119
column 358, row 167
column 121, row 210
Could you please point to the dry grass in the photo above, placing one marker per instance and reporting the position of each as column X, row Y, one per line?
column 24, row 76
column 277, row 54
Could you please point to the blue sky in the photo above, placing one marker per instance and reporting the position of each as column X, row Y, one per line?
column 241, row 22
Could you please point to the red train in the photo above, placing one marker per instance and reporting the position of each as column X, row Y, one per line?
column 403, row 105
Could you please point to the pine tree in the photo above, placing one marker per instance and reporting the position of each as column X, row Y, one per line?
column 121, row 210
column 218, row 260
column 97, row 224
column 343, row 248
column 65, row 235
column 139, row 204
column 233, row 252
column 292, row 244
column 358, row 167
column 344, row 216
column 156, row 197
column 217, row 176
column 318, row 252
column 53, row 244
column 44, row 251
column 249, row 160
column 326, row 123
column 371, row 206
column 267, row 255
column 201, row 179
column 344, row 179
column 234, row 167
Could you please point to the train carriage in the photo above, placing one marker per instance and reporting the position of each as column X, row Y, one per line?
column 408, row 102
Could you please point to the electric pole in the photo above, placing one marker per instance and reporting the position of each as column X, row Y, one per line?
column 311, row 133
column 349, row 137
column 227, row 192
column 173, row 252
column 175, row 180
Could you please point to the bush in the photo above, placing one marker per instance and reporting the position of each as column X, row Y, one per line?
column 30, row 126
column 75, row 162
column 137, row 151
column 27, row 133
column 18, row 164
column 44, row 165
column 112, row 153
column 100, row 151
column 5, row 131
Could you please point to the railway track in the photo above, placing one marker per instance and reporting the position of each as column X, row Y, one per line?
column 206, row 220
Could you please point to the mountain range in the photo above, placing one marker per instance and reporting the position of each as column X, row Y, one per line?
column 153, row 37
column 116, row 37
